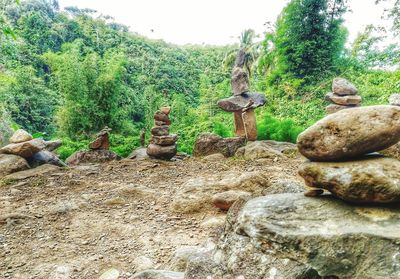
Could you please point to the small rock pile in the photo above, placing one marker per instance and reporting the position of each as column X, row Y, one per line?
column 343, row 96
column 99, row 151
column 340, row 146
column 24, row 153
column 162, row 144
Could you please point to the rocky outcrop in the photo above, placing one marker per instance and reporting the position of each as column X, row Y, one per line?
column 266, row 149
column 351, row 133
column 92, row 156
column 39, row 171
column 208, row 144
column 197, row 193
column 372, row 179
column 292, row 236
column 11, row 163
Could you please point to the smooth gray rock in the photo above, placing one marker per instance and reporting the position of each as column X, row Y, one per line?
column 266, row 149
column 53, row 145
column 350, row 133
column 394, row 99
column 240, row 81
column 45, row 157
column 291, row 236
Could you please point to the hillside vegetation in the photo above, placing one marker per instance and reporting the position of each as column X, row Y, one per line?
column 67, row 74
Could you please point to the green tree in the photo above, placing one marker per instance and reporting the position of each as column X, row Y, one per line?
column 308, row 41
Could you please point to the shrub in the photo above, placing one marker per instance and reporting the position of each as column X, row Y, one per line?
column 271, row 128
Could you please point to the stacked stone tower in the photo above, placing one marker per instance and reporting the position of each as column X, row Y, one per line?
column 162, row 144
column 343, row 96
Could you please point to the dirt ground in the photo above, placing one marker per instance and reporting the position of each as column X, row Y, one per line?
column 79, row 222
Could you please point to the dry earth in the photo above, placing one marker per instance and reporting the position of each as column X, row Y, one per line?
column 79, row 222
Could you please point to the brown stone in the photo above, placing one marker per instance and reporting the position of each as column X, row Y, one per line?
column 350, row 133
column 370, row 179
column 165, row 110
column 160, row 130
column 101, row 142
column 250, row 126
column 12, row 163
column 161, row 123
column 161, row 152
column 160, row 116
column 225, row 200
column 344, row 100
column 240, row 81
column 239, row 125
column 164, row 140
column 207, row 144
column 24, row 149
column 20, row 136
column 92, row 156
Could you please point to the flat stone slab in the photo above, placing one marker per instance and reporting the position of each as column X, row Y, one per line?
column 237, row 103
column 344, row 100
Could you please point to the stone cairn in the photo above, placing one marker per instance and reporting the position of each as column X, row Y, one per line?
column 343, row 96
column 343, row 160
column 162, row 144
column 243, row 103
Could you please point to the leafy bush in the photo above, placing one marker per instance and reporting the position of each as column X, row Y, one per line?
column 270, row 128
column 122, row 145
column 69, row 147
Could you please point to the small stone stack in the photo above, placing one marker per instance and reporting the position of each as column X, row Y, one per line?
column 343, row 96
column 162, row 144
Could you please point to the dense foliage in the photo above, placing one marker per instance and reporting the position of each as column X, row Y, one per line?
column 70, row 73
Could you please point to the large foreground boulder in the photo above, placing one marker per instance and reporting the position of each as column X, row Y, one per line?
column 92, row 156
column 291, row 236
column 350, row 133
column 208, row 144
column 11, row 163
column 372, row 179
column 24, row 149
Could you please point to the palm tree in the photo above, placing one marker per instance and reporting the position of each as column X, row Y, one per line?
column 247, row 53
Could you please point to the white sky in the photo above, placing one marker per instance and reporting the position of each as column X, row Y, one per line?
column 215, row 22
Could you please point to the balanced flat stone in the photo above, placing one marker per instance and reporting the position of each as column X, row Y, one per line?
column 350, row 133
column 238, row 103
column 24, row 149
column 343, row 87
column 344, row 100
column 370, row 179
column 164, row 140
column 161, row 152
column 161, row 116
column 160, row 130
column 20, row 136
column 240, row 81
column 333, row 108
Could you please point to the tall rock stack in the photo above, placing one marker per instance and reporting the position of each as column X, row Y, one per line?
column 339, row 148
column 343, row 96
column 162, row 144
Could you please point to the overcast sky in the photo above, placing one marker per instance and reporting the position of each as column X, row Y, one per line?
column 216, row 22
